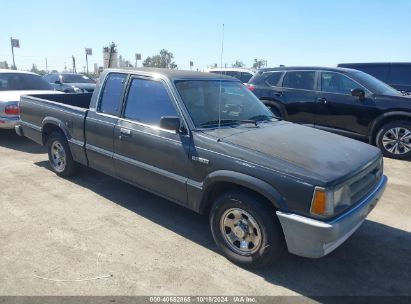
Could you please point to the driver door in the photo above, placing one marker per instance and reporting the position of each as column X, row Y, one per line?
column 339, row 111
column 144, row 154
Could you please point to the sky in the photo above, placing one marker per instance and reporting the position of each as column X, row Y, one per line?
column 292, row 32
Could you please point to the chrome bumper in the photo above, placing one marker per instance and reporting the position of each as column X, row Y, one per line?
column 312, row 238
column 8, row 122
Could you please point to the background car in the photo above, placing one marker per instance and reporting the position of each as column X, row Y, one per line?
column 344, row 101
column 240, row 73
column 396, row 74
column 13, row 84
column 71, row 82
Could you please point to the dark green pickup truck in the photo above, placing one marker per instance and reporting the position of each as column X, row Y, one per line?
column 206, row 142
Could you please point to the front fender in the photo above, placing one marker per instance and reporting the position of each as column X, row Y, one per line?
column 379, row 121
column 246, row 181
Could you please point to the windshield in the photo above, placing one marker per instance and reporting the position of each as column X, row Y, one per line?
column 238, row 104
column 375, row 85
column 76, row 78
column 21, row 81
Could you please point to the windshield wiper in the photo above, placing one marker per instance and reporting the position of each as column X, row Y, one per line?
column 227, row 122
column 259, row 118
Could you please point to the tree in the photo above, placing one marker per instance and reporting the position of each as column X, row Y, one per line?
column 163, row 60
column 238, row 64
column 34, row 69
column 259, row 63
column 112, row 51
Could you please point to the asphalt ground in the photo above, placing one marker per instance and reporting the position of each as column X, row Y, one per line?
column 95, row 235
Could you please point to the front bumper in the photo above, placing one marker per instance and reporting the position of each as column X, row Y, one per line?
column 312, row 238
column 8, row 122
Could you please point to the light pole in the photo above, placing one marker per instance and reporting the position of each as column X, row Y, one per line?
column 14, row 43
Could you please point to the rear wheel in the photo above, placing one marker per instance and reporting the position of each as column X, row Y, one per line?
column 394, row 139
column 272, row 108
column 246, row 229
column 60, row 157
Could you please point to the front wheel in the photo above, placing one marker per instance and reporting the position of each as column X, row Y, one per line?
column 394, row 139
column 246, row 229
column 60, row 157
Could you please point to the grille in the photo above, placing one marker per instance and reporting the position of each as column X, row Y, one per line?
column 362, row 184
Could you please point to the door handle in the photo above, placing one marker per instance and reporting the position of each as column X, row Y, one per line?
column 124, row 133
column 279, row 94
column 322, row 99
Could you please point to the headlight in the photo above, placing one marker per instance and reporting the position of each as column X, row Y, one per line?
column 77, row 90
column 327, row 202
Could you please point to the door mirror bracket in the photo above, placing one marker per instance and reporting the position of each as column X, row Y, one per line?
column 170, row 123
column 360, row 93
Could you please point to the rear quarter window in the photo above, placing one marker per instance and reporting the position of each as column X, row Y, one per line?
column 110, row 99
column 273, row 79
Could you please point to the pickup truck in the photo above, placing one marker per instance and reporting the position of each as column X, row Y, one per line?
column 204, row 141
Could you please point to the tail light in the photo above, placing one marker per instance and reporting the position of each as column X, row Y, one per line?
column 251, row 87
column 12, row 110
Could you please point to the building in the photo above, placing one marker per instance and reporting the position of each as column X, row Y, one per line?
column 4, row 65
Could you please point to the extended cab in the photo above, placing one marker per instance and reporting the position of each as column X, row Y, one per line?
column 207, row 143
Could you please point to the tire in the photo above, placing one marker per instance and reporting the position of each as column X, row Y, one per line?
column 394, row 139
column 60, row 157
column 263, row 243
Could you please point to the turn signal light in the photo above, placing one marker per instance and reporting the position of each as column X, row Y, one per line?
column 12, row 110
column 319, row 203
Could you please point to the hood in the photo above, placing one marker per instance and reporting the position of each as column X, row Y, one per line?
column 330, row 157
column 15, row 95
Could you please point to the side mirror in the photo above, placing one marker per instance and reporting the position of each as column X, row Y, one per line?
column 360, row 93
column 57, row 82
column 170, row 123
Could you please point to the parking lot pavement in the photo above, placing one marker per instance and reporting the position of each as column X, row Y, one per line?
column 54, row 231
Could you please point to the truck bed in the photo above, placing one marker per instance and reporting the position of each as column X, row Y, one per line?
column 76, row 100
column 41, row 113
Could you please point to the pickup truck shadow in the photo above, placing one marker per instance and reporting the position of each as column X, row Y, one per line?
column 375, row 261
column 9, row 139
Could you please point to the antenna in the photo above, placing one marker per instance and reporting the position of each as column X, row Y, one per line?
column 221, row 72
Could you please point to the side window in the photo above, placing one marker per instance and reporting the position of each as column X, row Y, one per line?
column 148, row 101
column 400, row 75
column 233, row 74
column 274, row 78
column 303, row 80
column 54, row 78
column 110, row 100
column 337, row 83
column 245, row 77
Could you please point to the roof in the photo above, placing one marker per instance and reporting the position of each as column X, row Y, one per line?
column 173, row 74
column 307, row 68
column 375, row 63
column 230, row 69
column 16, row 71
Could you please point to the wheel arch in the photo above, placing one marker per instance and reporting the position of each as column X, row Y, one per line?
column 268, row 101
column 221, row 181
column 384, row 119
column 50, row 125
